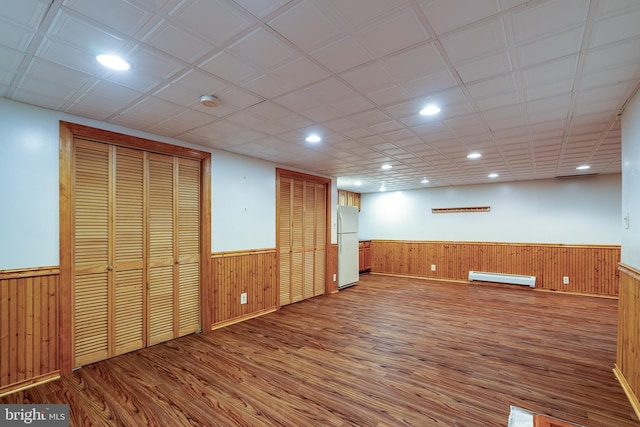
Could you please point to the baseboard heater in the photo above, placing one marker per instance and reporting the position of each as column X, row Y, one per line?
column 513, row 279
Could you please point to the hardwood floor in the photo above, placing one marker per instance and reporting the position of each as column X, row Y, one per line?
column 389, row 351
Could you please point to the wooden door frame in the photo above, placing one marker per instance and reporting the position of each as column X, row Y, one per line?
column 68, row 131
column 319, row 180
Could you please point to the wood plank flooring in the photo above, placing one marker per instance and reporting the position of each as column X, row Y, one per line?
column 387, row 352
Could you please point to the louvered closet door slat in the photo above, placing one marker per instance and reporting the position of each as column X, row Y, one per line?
column 297, row 240
column 161, row 249
column 188, row 246
column 309, row 226
column 321, row 238
column 129, row 250
column 284, row 212
column 91, row 178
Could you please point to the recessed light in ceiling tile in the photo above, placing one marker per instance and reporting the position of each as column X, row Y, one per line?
column 430, row 110
column 358, row 183
column 382, row 187
column 386, row 167
column 493, row 175
column 474, row 155
column 583, row 167
column 114, row 62
column 313, row 138
column 424, row 181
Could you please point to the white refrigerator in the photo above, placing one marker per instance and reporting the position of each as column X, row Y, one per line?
column 348, row 251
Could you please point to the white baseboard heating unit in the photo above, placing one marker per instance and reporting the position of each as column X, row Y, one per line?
column 513, row 279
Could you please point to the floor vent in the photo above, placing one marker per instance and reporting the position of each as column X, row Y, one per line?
column 513, row 279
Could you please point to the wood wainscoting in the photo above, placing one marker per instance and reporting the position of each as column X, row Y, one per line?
column 591, row 269
column 28, row 327
column 234, row 273
column 627, row 368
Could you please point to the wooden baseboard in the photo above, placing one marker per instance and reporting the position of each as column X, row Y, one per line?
column 633, row 399
column 241, row 319
column 32, row 382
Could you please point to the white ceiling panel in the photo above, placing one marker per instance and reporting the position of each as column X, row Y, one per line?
column 215, row 22
column 536, row 85
column 121, row 15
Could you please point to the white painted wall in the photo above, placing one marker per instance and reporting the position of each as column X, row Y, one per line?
column 569, row 211
column 631, row 183
column 243, row 189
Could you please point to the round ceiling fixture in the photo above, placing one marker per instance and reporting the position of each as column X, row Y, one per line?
column 209, row 100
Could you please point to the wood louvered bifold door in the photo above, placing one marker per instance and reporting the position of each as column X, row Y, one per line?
column 136, row 249
column 91, row 252
column 129, row 222
column 188, row 256
column 174, row 284
column 161, row 248
column 109, row 259
column 302, row 239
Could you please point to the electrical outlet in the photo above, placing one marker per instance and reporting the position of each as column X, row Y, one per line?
column 334, row 277
column 565, row 280
column 433, row 267
column 243, row 298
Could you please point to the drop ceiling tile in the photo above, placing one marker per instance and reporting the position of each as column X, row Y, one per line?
column 261, row 8
column 15, row 37
column 230, row 68
column 215, row 22
column 299, row 73
column 412, row 63
column 153, row 63
column 87, row 36
column 369, row 78
column 318, row 29
column 152, row 110
column 616, row 28
column 563, row 69
column 9, row 60
column 446, row 15
column 549, row 48
column 547, row 18
column 488, row 66
column 58, row 81
column 475, row 42
column 176, row 41
column 548, row 109
column 104, row 95
column 262, row 50
column 121, row 15
column 69, row 56
column 26, row 13
column 388, row 95
column 394, row 32
column 362, row 12
column 37, row 98
column 185, row 121
column 342, row 54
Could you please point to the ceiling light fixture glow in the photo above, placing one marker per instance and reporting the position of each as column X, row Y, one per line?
column 583, row 167
column 474, row 156
column 358, row 183
column 383, row 188
column 430, row 110
column 313, row 138
column 493, row 175
column 386, row 167
column 114, row 62
column 424, row 181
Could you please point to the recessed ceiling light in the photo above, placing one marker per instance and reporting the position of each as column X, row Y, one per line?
column 474, row 156
column 430, row 110
column 583, row 167
column 358, row 183
column 313, row 138
column 386, row 167
column 493, row 175
column 114, row 62
column 424, row 181
column 383, row 188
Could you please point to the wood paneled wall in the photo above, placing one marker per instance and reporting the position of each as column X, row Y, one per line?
column 28, row 327
column 591, row 269
column 627, row 368
column 251, row 272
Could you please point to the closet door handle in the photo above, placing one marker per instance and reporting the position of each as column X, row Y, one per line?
column 110, row 268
